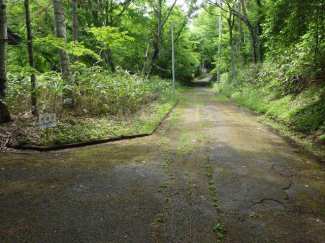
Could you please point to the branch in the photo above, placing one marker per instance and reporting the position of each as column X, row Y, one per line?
column 180, row 31
column 153, row 32
column 218, row 15
column 220, row 6
column 231, row 10
column 126, row 4
column 170, row 11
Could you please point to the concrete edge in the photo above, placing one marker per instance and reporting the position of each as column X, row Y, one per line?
column 93, row 142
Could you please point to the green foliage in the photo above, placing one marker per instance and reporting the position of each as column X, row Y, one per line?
column 110, row 36
column 294, row 32
column 74, row 47
column 96, row 92
column 166, row 164
column 254, row 215
column 266, row 92
column 220, row 231
column 208, row 171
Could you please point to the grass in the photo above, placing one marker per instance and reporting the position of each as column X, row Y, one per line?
column 162, row 187
column 219, row 97
column 166, row 164
column 254, row 215
column 208, row 171
column 300, row 115
column 184, row 144
column 213, row 193
column 220, row 231
column 71, row 129
column 212, row 186
column 156, row 225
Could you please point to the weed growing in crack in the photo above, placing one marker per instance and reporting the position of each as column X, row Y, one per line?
column 158, row 218
column 161, row 188
column 184, row 145
column 208, row 171
column 212, row 187
column 156, row 224
column 255, row 215
column 220, row 231
column 166, row 164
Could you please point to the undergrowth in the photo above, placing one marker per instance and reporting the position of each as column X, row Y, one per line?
column 106, row 106
column 269, row 89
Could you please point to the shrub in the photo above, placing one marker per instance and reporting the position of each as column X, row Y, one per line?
column 95, row 91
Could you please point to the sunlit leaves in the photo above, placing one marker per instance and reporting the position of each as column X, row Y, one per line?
column 74, row 47
column 110, row 36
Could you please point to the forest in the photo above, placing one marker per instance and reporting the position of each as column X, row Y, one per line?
column 104, row 66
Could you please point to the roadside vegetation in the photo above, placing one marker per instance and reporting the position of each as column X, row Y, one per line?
column 104, row 71
column 269, row 57
column 296, row 114
column 106, row 105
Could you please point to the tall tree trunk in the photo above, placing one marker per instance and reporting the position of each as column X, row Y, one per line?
column 60, row 32
column 239, row 35
column 31, row 58
column 4, row 112
column 160, row 25
column 219, row 46
column 154, row 57
column 250, row 29
column 259, row 32
column 74, row 25
column 232, row 52
column 155, row 43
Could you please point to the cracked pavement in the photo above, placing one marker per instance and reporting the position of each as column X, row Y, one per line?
column 211, row 163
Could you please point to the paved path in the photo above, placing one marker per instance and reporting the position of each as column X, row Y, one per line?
column 210, row 166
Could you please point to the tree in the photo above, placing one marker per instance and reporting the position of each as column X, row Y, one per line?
column 161, row 21
column 259, row 31
column 244, row 17
column 4, row 112
column 231, row 24
column 31, row 58
column 74, row 23
column 219, row 45
column 61, row 32
column 204, row 34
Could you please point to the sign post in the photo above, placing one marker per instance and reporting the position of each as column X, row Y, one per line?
column 46, row 122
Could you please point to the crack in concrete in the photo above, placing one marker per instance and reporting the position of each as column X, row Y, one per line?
column 272, row 167
column 287, row 187
column 267, row 199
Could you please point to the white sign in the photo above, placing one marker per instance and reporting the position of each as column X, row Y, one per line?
column 47, row 120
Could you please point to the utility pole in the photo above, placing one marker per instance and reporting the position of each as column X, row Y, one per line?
column 173, row 59
column 219, row 46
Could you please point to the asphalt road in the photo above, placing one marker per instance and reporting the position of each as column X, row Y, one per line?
column 211, row 173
